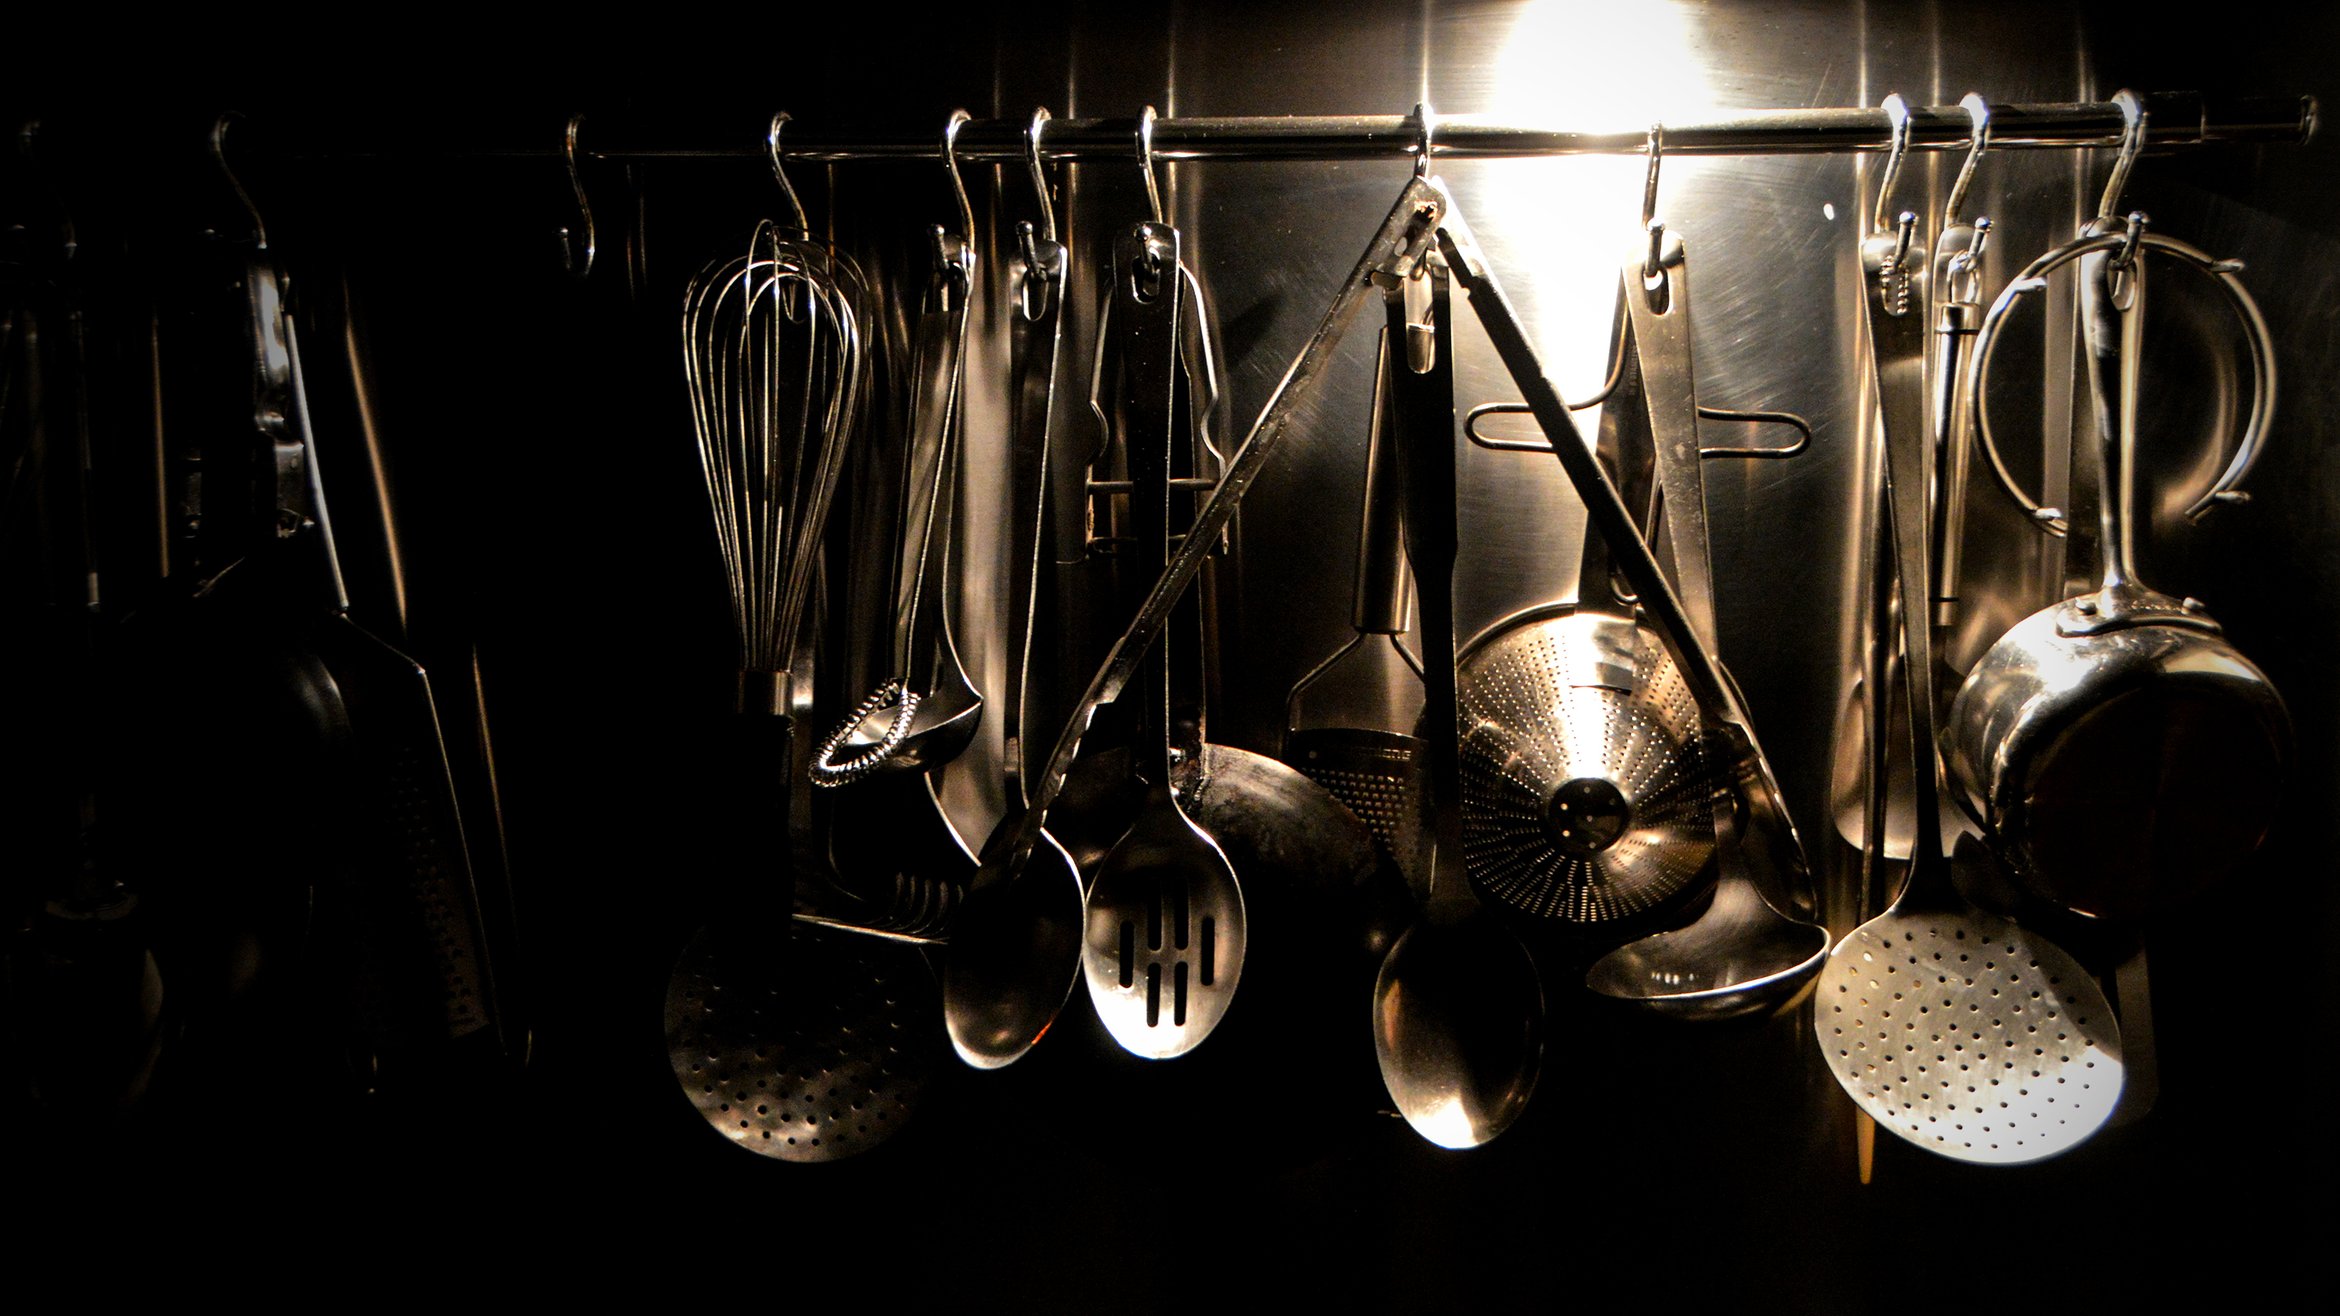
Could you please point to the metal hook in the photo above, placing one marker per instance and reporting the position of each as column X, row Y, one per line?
column 1145, row 150
column 1897, row 114
column 787, row 189
column 1422, row 143
column 219, row 128
column 2126, row 255
column 1978, row 112
column 1654, row 262
column 2132, row 108
column 577, row 253
column 950, row 155
column 1039, row 175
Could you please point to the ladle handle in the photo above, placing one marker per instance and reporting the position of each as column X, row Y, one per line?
column 940, row 343
column 1034, row 341
column 1383, row 585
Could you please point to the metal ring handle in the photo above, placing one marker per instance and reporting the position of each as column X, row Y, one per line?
column 2033, row 278
column 826, row 770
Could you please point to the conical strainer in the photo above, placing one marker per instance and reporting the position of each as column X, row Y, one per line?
column 1589, row 798
column 1586, row 795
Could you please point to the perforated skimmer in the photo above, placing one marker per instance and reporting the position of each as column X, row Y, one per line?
column 812, row 1055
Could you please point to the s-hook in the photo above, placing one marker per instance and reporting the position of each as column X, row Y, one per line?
column 219, row 132
column 779, row 175
column 578, row 245
column 1032, row 292
column 1653, row 272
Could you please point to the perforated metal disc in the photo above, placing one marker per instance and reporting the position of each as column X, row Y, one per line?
column 814, row 1051
column 1965, row 1035
column 1582, row 712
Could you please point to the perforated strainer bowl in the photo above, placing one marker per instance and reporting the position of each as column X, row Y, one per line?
column 1967, row 1036
column 1586, row 795
column 813, row 1055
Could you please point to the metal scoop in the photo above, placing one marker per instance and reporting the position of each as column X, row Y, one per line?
column 1458, row 1008
column 1165, row 922
column 1958, row 1031
column 1741, row 955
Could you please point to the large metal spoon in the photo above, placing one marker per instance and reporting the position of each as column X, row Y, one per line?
column 1164, row 943
column 1956, row 1030
column 1458, row 1011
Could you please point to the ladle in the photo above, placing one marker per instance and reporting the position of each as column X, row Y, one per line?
column 1458, row 1009
column 1048, row 901
column 926, row 713
column 1958, row 1031
column 1009, row 974
column 1741, row 955
column 1163, row 950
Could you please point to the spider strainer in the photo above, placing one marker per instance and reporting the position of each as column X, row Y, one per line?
column 1586, row 794
column 1954, row 1029
column 813, row 1055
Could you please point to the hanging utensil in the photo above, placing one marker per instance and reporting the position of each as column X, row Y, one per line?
column 1053, row 884
column 1381, row 775
column 2120, row 753
column 1017, row 997
column 760, row 1021
column 925, row 713
column 1458, row 1008
column 1164, row 945
column 1587, row 794
column 1741, row 955
column 1958, row 1031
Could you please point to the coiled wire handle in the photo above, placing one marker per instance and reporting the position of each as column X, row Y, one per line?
column 827, row 770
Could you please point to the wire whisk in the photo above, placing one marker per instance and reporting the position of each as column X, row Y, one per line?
column 773, row 351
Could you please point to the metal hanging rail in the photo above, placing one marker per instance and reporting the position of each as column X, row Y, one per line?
column 2174, row 119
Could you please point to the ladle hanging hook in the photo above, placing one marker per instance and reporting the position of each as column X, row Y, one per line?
column 1897, row 114
column 1423, row 130
column 1978, row 112
column 1145, row 151
column 2132, row 108
column 219, row 130
column 1654, row 262
column 578, row 244
column 780, row 175
column 950, row 156
column 1040, row 116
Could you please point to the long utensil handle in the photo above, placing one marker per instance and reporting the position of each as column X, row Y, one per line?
column 1034, row 338
column 1403, row 236
column 1635, row 561
column 1421, row 388
column 940, row 354
column 1146, row 295
column 1383, row 582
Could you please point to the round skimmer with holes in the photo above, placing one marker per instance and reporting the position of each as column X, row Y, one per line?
column 1586, row 795
column 1961, row 1033
column 814, row 1051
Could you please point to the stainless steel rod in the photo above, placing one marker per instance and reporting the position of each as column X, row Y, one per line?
column 2176, row 119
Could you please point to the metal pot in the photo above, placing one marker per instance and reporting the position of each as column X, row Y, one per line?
column 2119, row 751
